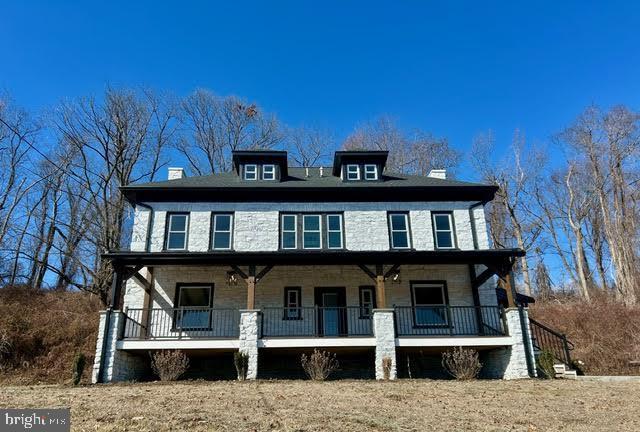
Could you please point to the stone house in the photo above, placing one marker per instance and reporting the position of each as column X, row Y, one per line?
column 270, row 259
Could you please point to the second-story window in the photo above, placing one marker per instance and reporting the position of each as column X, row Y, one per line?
column 268, row 172
column 353, row 172
column 177, row 226
column 443, row 231
column 222, row 230
column 311, row 232
column 399, row 230
column 289, row 227
column 334, row 231
column 371, row 172
column 251, row 172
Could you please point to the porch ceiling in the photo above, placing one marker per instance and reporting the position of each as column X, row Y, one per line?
column 486, row 257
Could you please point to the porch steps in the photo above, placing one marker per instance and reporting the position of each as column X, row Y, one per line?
column 562, row 372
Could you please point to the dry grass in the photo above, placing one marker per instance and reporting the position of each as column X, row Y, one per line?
column 45, row 331
column 421, row 405
column 606, row 334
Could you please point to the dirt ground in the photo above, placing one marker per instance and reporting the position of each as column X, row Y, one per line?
column 420, row 405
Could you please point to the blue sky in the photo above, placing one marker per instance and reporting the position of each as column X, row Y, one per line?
column 452, row 68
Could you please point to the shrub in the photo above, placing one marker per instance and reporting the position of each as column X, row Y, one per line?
column 169, row 365
column 387, row 364
column 241, row 362
column 5, row 349
column 462, row 363
column 319, row 365
column 79, row 362
column 545, row 364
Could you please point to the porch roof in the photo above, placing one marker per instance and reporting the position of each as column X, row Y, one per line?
column 484, row 256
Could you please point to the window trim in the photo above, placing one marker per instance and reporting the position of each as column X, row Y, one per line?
column 295, row 231
column 287, row 308
column 357, row 172
column 273, row 172
column 391, row 230
column 319, row 230
column 176, row 303
column 375, row 172
column 454, row 240
column 213, row 230
column 255, row 172
column 374, row 301
column 168, row 231
column 445, row 298
column 328, row 230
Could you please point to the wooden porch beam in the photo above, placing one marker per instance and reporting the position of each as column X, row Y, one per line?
column 482, row 277
column 394, row 268
column 263, row 272
column 238, row 270
column 381, row 295
column 368, row 272
column 146, row 284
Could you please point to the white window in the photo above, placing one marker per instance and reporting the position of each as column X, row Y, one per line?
column 334, row 231
column 429, row 300
column 371, row 172
column 353, row 172
column 443, row 230
column 289, row 234
column 399, row 230
column 311, row 232
column 193, row 306
column 177, row 231
column 268, row 172
column 222, row 229
column 367, row 301
column 251, row 172
column 292, row 303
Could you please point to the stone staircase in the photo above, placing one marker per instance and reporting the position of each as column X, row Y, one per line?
column 563, row 372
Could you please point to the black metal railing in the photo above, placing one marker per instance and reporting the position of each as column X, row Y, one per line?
column 547, row 339
column 316, row 321
column 181, row 323
column 449, row 321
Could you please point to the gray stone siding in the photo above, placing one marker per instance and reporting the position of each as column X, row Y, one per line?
column 384, row 331
column 510, row 362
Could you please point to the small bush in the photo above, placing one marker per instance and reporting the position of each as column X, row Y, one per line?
column 5, row 349
column 79, row 362
column 241, row 362
column 545, row 364
column 169, row 365
column 387, row 364
column 319, row 365
column 462, row 363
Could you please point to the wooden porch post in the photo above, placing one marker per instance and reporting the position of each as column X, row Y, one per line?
column 251, row 288
column 509, row 288
column 147, row 304
column 380, row 288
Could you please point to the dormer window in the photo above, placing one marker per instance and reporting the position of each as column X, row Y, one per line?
column 268, row 172
column 353, row 172
column 251, row 172
column 371, row 172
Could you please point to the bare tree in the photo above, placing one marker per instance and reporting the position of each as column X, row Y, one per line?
column 214, row 126
column 415, row 152
column 308, row 146
column 609, row 145
column 510, row 221
column 114, row 142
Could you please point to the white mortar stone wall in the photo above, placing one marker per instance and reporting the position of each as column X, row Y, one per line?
column 140, row 227
column 256, row 225
column 384, row 331
column 510, row 362
column 248, row 341
column 118, row 365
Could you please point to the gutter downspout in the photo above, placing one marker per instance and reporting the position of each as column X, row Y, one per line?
column 105, row 335
column 474, row 234
column 526, row 336
column 149, row 225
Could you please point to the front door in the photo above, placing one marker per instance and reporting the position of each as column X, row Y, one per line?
column 331, row 304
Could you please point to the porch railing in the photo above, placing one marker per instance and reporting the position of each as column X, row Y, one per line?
column 181, row 323
column 450, row 321
column 547, row 339
column 316, row 321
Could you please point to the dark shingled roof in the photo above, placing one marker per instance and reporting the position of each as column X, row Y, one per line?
column 298, row 179
column 297, row 186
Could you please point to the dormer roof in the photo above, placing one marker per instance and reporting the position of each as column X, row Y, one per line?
column 279, row 158
column 342, row 158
